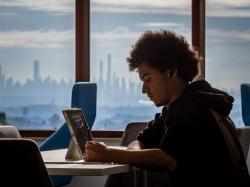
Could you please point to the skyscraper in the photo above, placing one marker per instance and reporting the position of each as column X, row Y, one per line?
column 123, row 86
column 109, row 71
column 2, row 77
column 36, row 71
column 101, row 72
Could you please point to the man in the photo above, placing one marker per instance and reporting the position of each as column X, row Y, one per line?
column 185, row 139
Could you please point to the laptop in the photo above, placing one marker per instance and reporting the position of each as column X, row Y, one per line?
column 80, row 134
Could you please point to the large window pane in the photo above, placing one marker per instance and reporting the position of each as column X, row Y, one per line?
column 115, row 26
column 228, row 46
column 37, row 61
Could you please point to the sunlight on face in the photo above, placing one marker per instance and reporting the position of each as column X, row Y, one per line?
column 155, row 85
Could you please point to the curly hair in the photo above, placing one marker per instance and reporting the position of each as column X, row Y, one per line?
column 165, row 50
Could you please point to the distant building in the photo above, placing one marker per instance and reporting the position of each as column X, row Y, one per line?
column 109, row 71
column 36, row 71
column 2, row 77
column 131, row 88
column 101, row 72
column 123, row 86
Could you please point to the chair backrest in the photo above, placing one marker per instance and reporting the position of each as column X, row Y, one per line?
column 127, row 179
column 131, row 131
column 21, row 164
column 149, row 178
column 143, row 178
column 84, row 97
column 8, row 131
column 245, row 103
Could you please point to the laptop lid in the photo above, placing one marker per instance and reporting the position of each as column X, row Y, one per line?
column 78, row 126
column 80, row 134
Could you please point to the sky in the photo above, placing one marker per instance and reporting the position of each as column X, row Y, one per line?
column 44, row 31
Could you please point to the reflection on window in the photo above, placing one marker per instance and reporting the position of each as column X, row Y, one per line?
column 228, row 46
column 115, row 26
column 36, row 62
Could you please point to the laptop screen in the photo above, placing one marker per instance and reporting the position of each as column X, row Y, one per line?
column 78, row 126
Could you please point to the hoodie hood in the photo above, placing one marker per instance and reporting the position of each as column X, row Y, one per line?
column 201, row 91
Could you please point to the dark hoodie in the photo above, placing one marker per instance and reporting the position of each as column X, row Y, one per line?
column 188, row 132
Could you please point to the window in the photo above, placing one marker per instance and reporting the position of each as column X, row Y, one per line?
column 50, row 53
column 228, row 46
column 37, row 61
column 115, row 26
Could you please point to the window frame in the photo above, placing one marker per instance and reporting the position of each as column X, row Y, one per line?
column 82, row 59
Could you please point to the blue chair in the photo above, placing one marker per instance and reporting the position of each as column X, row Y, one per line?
column 245, row 103
column 244, row 132
column 84, row 97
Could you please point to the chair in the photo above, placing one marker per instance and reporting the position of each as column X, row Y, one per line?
column 245, row 103
column 151, row 179
column 131, row 131
column 244, row 132
column 84, row 97
column 127, row 179
column 9, row 131
column 22, row 164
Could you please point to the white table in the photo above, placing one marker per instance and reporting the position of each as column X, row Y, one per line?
column 86, row 169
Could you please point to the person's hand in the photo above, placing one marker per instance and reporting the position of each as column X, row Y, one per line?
column 96, row 151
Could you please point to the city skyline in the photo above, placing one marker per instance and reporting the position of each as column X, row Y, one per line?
column 37, row 103
column 109, row 86
column 110, row 82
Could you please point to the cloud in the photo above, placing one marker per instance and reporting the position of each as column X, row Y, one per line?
column 222, row 36
column 7, row 14
column 125, row 33
column 176, row 27
column 142, row 6
column 53, row 6
column 117, row 33
column 121, row 35
column 160, row 25
column 58, row 39
column 180, row 28
column 120, row 6
column 228, row 8
column 35, row 39
column 222, row 8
